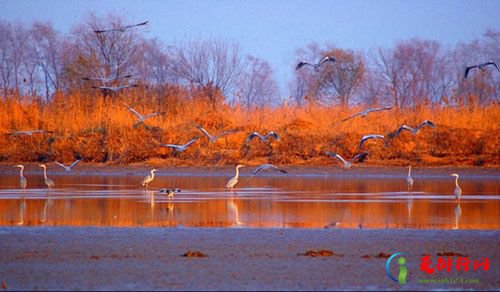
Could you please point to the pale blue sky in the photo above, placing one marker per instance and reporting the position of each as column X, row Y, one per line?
column 274, row 30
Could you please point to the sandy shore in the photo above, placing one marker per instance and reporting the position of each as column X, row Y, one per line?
column 293, row 170
column 56, row 258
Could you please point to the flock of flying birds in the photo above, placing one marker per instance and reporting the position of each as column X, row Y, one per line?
column 346, row 164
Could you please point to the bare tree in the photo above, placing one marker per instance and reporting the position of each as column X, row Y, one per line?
column 256, row 86
column 212, row 64
column 340, row 80
column 413, row 72
column 103, row 55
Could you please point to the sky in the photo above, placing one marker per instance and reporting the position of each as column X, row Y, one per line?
column 275, row 29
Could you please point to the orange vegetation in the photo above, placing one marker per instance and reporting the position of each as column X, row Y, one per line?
column 100, row 130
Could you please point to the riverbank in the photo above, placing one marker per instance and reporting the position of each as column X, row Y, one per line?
column 68, row 258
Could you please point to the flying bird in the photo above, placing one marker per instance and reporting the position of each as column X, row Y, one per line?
column 29, row 133
column 180, row 148
column 267, row 166
column 22, row 180
column 170, row 192
column 115, row 88
column 50, row 183
column 121, row 29
column 234, row 180
column 480, row 66
column 213, row 138
column 458, row 191
column 414, row 130
column 372, row 136
column 315, row 66
column 149, row 178
column 347, row 164
column 106, row 80
column 367, row 111
column 142, row 117
column 262, row 138
column 69, row 167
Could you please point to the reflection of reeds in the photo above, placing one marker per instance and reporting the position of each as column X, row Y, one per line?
column 101, row 131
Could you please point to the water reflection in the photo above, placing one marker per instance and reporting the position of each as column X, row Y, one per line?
column 307, row 202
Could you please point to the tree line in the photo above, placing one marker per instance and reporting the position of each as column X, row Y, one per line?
column 37, row 61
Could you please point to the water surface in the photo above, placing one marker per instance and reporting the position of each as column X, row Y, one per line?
column 308, row 201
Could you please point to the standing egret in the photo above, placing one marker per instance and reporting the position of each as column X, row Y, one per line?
column 149, row 178
column 409, row 179
column 458, row 191
column 234, row 180
column 22, row 180
column 50, row 183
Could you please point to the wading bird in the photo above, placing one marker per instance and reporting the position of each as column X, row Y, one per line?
column 367, row 111
column 149, row 178
column 234, row 180
column 348, row 164
column 50, row 183
column 170, row 192
column 414, row 130
column 458, row 191
column 262, row 138
column 180, row 148
column 315, row 66
column 409, row 179
column 22, row 180
column 480, row 66
column 213, row 138
column 69, row 167
column 29, row 133
column 106, row 79
column 372, row 136
column 121, row 29
column 115, row 88
column 141, row 118
column 267, row 166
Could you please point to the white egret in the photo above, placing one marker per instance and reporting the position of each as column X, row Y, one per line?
column 372, row 136
column 458, row 191
column 367, row 111
column 409, row 179
column 141, row 117
column 234, row 180
column 262, row 138
column 315, row 66
column 170, row 192
column 414, row 130
column 180, row 148
column 22, row 180
column 50, row 183
column 348, row 164
column 213, row 138
column 149, row 178
column 29, row 133
column 267, row 166
column 69, row 167
column 480, row 66
column 121, row 29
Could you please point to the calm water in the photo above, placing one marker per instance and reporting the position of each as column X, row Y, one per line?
column 265, row 201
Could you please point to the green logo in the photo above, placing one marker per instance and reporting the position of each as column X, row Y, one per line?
column 403, row 271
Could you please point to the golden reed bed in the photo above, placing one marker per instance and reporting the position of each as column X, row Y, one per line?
column 100, row 130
